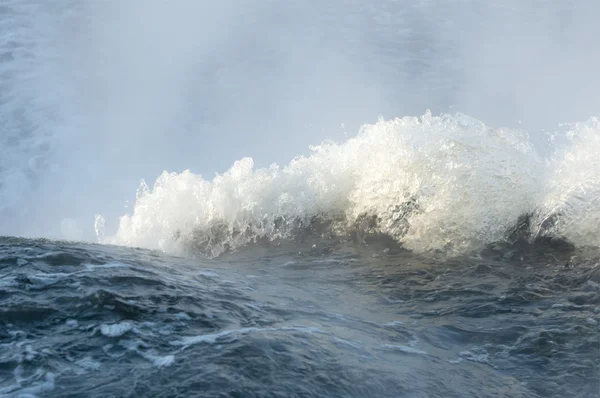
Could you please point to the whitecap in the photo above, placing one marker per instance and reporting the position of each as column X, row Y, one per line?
column 117, row 329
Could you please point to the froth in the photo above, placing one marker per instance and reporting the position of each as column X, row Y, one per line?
column 571, row 206
column 447, row 183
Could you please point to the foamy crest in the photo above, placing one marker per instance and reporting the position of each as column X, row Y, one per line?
column 446, row 182
column 571, row 208
column 433, row 183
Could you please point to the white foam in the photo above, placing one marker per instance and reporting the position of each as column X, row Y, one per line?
column 403, row 348
column 159, row 361
column 212, row 338
column 448, row 182
column 146, row 353
column 475, row 356
column 573, row 189
column 107, row 265
column 117, row 329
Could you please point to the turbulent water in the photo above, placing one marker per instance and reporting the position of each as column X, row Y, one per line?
column 418, row 256
column 297, row 319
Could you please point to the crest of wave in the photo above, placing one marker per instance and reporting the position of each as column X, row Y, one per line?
column 432, row 183
column 571, row 208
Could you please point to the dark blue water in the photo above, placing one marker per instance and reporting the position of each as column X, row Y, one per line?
column 297, row 320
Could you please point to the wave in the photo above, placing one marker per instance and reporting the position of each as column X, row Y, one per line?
column 444, row 183
column 570, row 206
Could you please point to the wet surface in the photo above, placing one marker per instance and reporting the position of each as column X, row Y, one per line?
column 349, row 320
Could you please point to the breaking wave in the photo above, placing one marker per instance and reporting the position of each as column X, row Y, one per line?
column 444, row 183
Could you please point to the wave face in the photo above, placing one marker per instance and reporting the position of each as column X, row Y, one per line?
column 447, row 183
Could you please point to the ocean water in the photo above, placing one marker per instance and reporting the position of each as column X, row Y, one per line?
column 406, row 199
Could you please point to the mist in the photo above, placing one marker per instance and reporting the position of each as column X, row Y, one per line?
column 134, row 88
